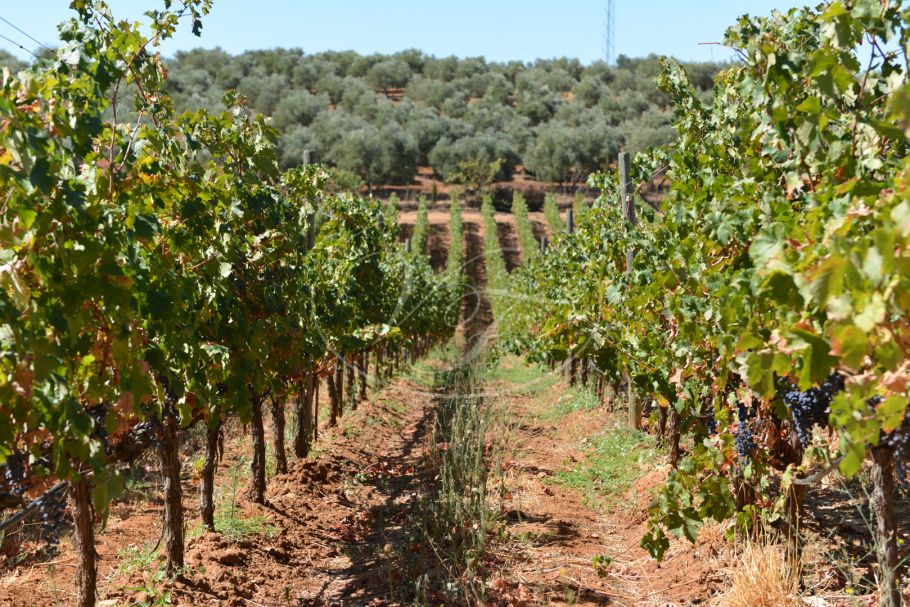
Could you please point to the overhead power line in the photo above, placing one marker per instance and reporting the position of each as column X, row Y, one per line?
column 23, row 32
column 14, row 43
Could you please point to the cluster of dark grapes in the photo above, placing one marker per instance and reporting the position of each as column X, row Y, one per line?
column 898, row 440
column 100, row 429
column 711, row 421
column 745, row 443
column 52, row 510
column 811, row 408
column 14, row 473
column 51, row 505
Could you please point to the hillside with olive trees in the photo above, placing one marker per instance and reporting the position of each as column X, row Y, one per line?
column 380, row 117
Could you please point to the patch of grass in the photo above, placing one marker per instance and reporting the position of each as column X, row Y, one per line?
column 137, row 487
column 613, row 463
column 394, row 406
column 766, row 576
column 234, row 528
column 372, row 420
column 271, row 464
column 135, row 558
column 577, row 399
column 151, row 595
column 228, row 519
column 522, row 378
column 423, row 372
column 534, row 538
column 351, row 432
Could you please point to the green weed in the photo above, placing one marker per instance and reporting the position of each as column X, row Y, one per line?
column 458, row 519
column 534, row 538
column 228, row 519
column 521, row 378
column 150, row 595
column 135, row 558
column 351, row 432
column 577, row 399
column 613, row 463
column 394, row 406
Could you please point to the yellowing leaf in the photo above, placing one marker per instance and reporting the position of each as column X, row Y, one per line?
column 873, row 314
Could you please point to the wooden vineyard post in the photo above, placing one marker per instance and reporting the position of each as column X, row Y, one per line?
column 627, row 204
column 334, row 397
column 362, row 366
column 207, row 483
column 351, row 372
column 316, row 384
column 570, row 363
column 304, row 420
column 278, row 424
column 257, row 466
column 339, row 385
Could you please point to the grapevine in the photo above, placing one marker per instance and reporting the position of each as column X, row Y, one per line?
column 768, row 273
column 160, row 270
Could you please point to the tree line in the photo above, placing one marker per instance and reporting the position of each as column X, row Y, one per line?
column 380, row 117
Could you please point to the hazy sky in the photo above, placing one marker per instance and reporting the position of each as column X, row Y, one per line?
column 497, row 29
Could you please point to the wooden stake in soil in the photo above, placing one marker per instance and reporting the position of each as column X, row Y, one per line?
column 377, row 384
column 207, row 483
column 661, row 426
column 351, row 372
column 339, row 385
column 885, row 527
column 333, row 399
column 362, row 366
column 673, row 436
column 278, row 424
column 84, row 540
column 304, row 429
column 257, row 467
column 627, row 204
column 316, row 384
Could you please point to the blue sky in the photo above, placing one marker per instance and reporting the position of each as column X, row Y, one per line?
column 498, row 29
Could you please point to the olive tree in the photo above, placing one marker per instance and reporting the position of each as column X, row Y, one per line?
column 389, row 74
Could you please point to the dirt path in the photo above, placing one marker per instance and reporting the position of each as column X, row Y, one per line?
column 557, row 530
column 319, row 540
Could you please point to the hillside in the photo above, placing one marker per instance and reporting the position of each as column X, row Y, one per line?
column 383, row 116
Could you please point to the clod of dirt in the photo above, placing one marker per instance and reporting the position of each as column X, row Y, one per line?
column 230, row 557
column 279, row 555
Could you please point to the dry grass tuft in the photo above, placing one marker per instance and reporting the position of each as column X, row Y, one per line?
column 764, row 576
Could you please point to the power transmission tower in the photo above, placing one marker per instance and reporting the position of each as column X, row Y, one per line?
column 610, row 33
